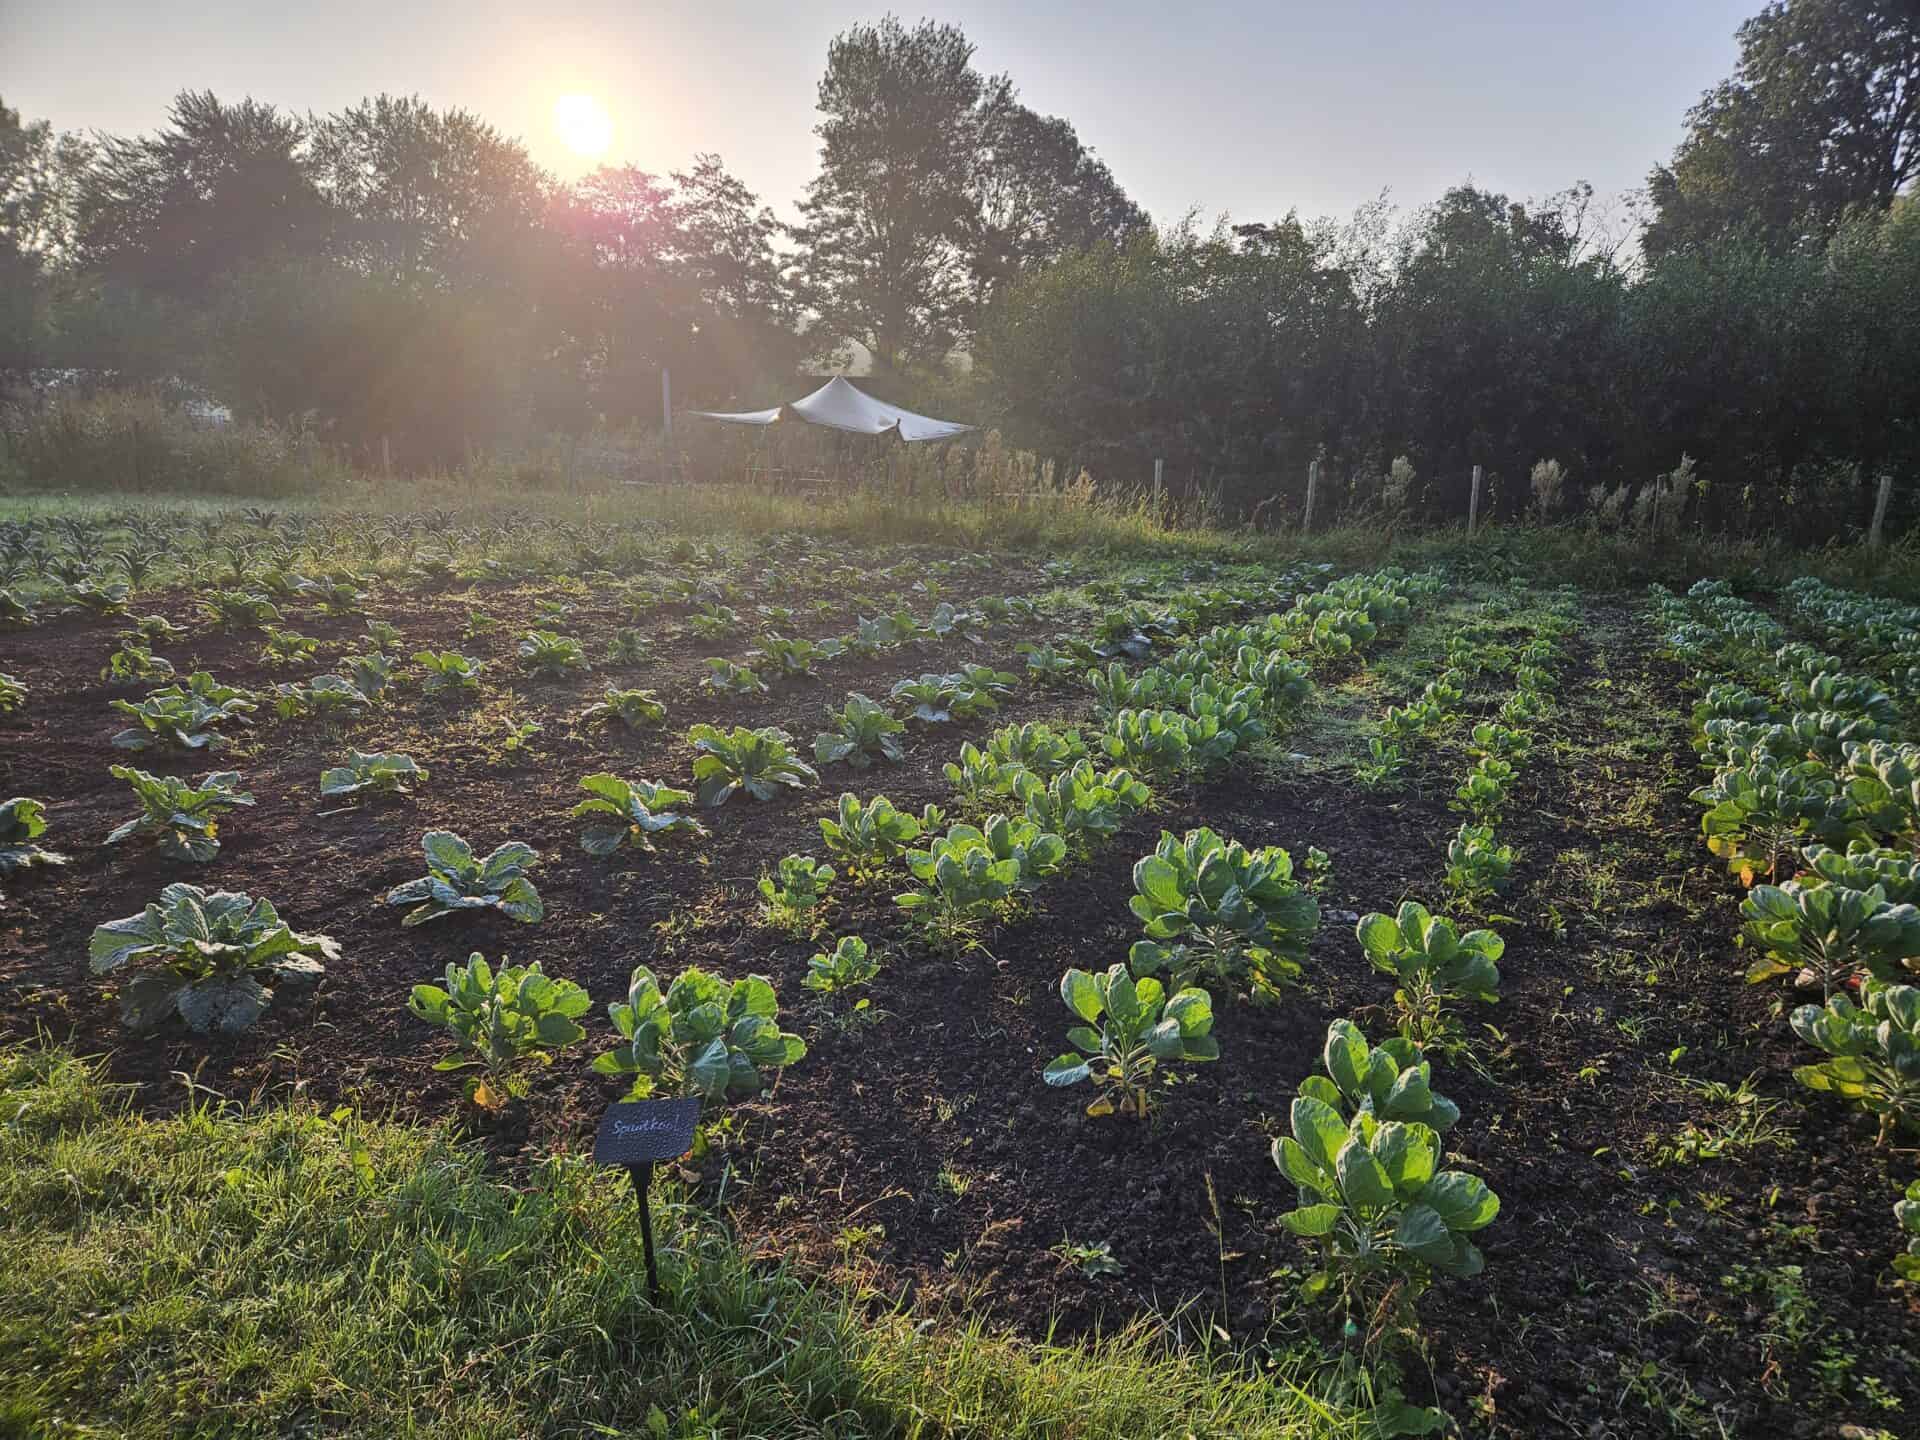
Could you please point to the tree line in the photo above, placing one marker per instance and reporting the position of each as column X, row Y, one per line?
column 396, row 270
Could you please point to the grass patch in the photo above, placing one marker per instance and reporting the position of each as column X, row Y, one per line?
column 288, row 1272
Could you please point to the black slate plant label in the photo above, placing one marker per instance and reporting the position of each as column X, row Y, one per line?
column 636, row 1131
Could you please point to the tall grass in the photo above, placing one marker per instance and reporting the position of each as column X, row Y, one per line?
column 288, row 1272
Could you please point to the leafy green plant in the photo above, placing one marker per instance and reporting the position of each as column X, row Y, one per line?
column 794, row 659
column 1501, row 742
column 980, row 779
column 938, row 699
column 382, row 635
column 865, row 836
column 1082, row 805
column 1382, row 766
column 850, row 965
column 862, row 730
column 184, row 716
column 1906, row 1214
column 218, row 958
column 701, row 1036
column 1037, row 747
column 1483, row 794
column 630, row 812
column 501, row 1020
column 756, row 761
column 1758, row 813
column 23, row 821
column 1434, row 964
column 1383, row 1216
column 552, row 656
column 962, row 880
column 636, row 709
column 1873, row 1052
column 1130, row 1028
column 183, row 818
column 13, row 693
column 371, row 773
column 457, row 880
column 1829, row 933
column 238, row 610
column 370, row 674
column 326, row 697
column 723, row 677
column 133, row 662
column 1048, row 665
column 1477, row 865
column 794, row 892
column 627, row 646
column 285, row 647
column 1390, row 1081
column 1863, row 865
column 449, row 673
column 1213, row 906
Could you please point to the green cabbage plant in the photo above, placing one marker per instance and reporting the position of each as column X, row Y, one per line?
column 1375, row 1204
column 457, row 880
column 759, row 762
column 862, row 730
column 218, row 958
column 630, row 812
column 371, row 773
column 23, row 821
column 183, row 818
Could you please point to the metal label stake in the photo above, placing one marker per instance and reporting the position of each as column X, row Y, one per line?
column 636, row 1134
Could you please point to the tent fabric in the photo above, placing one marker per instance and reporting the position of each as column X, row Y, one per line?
column 839, row 405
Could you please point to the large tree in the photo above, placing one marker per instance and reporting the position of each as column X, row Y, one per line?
column 936, row 188
column 40, row 174
column 1820, row 117
column 222, row 187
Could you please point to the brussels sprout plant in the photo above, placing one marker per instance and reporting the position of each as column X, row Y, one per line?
column 1434, row 964
column 1129, row 1030
column 701, row 1036
column 501, row 1020
column 1873, row 1052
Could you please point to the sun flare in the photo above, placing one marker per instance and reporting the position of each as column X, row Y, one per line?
column 583, row 125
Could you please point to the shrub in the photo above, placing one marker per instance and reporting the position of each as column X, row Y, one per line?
column 457, row 880
column 218, row 958
column 501, row 1020
column 1130, row 1029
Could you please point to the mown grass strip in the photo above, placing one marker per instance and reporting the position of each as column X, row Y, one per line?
column 287, row 1272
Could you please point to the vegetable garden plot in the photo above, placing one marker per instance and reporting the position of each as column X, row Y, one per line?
column 1042, row 835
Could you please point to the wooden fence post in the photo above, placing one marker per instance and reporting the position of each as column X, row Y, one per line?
column 1880, row 509
column 1313, row 488
column 1473, row 506
column 666, row 403
column 1159, row 470
column 386, row 458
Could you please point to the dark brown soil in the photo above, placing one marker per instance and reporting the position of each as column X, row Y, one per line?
column 1622, row 1296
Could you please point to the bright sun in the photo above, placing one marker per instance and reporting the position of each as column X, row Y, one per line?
column 583, row 124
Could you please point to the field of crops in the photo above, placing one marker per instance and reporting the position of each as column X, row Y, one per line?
column 1485, row 994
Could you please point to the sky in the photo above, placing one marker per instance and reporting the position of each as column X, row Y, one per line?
column 1245, row 109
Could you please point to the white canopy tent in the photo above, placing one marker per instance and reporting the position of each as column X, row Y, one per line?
column 838, row 405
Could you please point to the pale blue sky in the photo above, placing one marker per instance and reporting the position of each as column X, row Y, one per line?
column 1239, row 107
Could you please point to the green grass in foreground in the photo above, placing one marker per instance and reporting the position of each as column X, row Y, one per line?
column 284, row 1272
